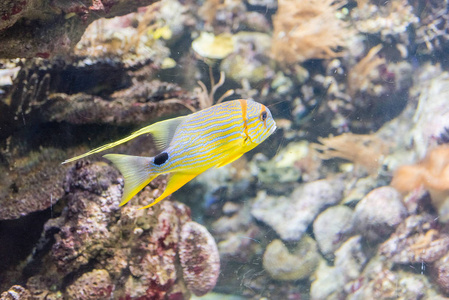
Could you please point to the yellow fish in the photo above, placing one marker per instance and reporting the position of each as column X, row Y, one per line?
column 212, row 137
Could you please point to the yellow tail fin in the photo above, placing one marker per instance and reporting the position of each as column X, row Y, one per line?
column 136, row 170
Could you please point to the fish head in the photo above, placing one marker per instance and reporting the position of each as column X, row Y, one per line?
column 260, row 122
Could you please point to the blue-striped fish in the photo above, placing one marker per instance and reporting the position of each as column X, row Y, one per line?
column 212, row 137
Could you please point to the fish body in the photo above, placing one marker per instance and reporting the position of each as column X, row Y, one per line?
column 210, row 138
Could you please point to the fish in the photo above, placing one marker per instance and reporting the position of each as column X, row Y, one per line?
column 191, row 144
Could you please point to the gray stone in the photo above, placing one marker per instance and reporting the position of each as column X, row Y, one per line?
column 377, row 215
column 298, row 264
column 349, row 263
column 332, row 228
column 290, row 216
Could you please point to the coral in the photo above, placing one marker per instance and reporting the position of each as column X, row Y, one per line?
column 308, row 30
column 207, row 45
column 391, row 19
column 51, row 30
column 129, row 38
column 432, row 173
column 364, row 150
column 432, row 32
column 205, row 97
column 96, row 284
column 282, row 264
column 15, row 292
column 300, row 208
column 249, row 60
column 199, row 258
column 370, row 219
column 222, row 16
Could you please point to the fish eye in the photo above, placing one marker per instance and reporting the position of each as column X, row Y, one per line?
column 263, row 116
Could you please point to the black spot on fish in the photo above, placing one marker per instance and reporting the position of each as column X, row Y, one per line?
column 160, row 158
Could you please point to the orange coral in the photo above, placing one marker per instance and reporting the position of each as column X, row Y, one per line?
column 308, row 29
column 432, row 173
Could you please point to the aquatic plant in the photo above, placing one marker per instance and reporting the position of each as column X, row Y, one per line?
column 308, row 29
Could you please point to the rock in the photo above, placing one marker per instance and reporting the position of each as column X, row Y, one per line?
column 248, row 60
column 290, row 216
column 378, row 213
column 281, row 168
column 440, row 273
column 349, row 262
column 332, row 228
column 51, row 28
column 388, row 284
column 93, row 198
column 134, row 253
column 199, row 258
column 416, row 240
column 32, row 183
column 93, row 285
column 282, row 264
column 238, row 235
column 431, row 118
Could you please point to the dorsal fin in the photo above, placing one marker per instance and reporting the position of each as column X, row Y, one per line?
column 162, row 132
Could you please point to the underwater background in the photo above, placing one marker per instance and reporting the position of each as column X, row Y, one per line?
column 348, row 199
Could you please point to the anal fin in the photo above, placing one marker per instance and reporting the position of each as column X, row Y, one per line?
column 176, row 181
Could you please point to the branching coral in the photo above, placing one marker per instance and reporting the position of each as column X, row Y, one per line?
column 308, row 29
column 364, row 150
column 432, row 173
column 433, row 30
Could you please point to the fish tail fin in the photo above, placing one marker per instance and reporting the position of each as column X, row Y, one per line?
column 136, row 171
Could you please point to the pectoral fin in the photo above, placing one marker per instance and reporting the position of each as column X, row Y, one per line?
column 176, row 181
